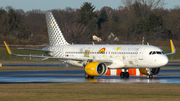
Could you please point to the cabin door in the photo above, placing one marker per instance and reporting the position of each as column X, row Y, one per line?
column 140, row 53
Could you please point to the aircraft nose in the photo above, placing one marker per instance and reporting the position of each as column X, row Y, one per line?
column 164, row 60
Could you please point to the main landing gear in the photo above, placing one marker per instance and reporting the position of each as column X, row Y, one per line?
column 124, row 75
column 88, row 76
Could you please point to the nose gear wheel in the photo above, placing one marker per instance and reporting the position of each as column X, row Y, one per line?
column 150, row 76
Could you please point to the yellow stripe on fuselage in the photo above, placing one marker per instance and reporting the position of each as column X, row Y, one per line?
column 9, row 51
column 172, row 46
column 0, row 65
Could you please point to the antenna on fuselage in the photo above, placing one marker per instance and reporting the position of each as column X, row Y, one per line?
column 143, row 41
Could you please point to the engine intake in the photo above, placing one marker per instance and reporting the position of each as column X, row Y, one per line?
column 96, row 68
column 154, row 71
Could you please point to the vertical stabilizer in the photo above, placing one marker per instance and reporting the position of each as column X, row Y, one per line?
column 55, row 35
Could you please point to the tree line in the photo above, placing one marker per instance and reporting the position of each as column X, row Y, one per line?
column 137, row 19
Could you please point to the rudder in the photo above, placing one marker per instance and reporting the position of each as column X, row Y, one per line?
column 55, row 35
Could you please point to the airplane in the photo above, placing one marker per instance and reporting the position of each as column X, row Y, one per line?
column 97, row 59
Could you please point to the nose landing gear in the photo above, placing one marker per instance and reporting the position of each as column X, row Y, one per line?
column 150, row 76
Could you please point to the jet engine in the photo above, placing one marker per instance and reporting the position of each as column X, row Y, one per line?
column 96, row 68
column 154, row 71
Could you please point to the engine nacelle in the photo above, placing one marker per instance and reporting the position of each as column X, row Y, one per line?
column 154, row 71
column 96, row 68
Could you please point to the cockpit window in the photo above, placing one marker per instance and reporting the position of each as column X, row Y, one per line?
column 156, row 52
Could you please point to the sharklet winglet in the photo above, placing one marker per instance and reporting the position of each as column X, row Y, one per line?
column 8, row 49
column 173, row 50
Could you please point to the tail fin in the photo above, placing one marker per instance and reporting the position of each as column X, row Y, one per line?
column 55, row 35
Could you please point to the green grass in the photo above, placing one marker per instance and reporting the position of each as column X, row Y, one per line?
column 89, row 91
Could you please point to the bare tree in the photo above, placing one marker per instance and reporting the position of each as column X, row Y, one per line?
column 152, row 4
column 142, row 8
column 74, row 32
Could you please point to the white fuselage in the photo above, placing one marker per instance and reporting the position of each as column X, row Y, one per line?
column 123, row 56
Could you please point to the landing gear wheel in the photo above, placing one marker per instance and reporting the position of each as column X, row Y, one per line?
column 122, row 75
column 127, row 75
column 150, row 76
column 91, row 77
column 86, row 76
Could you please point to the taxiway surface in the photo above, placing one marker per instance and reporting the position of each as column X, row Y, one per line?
column 166, row 76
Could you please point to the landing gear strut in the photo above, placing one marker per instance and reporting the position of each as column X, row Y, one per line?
column 88, row 76
column 150, row 76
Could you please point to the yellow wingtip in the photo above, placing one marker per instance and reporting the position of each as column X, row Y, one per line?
column 9, row 51
column 172, row 46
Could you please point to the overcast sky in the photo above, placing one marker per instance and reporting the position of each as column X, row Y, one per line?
column 62, row 4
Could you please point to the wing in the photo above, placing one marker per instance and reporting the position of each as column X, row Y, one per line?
column 51, row 57
column 172, row 64
column 35, row 49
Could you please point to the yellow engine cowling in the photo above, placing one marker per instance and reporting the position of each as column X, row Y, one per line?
column 96, row 68
column 154, row 71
